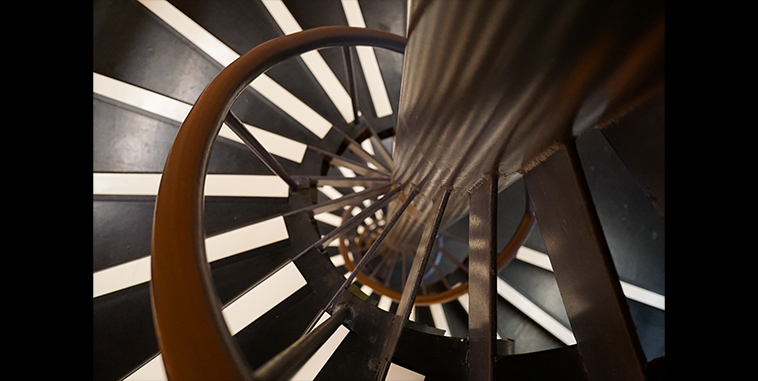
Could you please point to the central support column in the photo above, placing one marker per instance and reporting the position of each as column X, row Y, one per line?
column 495, row 84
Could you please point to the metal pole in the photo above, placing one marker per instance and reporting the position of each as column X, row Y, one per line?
column 482, row 275
column 411, row 288
column 351, row 88
column 335, row 181
column 353, row 145
column 584, row 270
column 339, row 161
column 366, row 258
column 284, row 365
column 236, row 125
column 353, row 221
column 351, row 199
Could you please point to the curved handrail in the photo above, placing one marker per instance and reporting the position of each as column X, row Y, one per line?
column 192, row 335
column 503, row 258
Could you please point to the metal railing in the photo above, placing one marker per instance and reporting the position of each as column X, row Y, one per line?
column 191, row 332
column 193, row 338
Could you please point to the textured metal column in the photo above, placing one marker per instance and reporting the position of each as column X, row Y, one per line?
column 495, row 84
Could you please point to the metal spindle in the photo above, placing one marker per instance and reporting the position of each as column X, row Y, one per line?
column 411, row 288
column 351, row 88
column 251, row 142
column 378, row 143
column 354, row 146
column 353, row 221
column 367, row 257
column 339, row 161
column 341, row 202
column 284, row 365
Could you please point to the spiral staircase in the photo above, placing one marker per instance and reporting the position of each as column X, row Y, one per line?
column 152, row 59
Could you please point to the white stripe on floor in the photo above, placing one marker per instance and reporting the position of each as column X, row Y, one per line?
column 147, row 184
column 534, row 257
column 330, row 192
column 369, row 64
column 220, row 246
column 245, row 186
column 314, row 61
column 334, row 243
column 644, row 296
column 440, row 320
column 153, row 370
column 535, row 313
column 369, row 148
column 177, row 110
column 384, row 303
column 398, row 373
column 224, row 55
column 338, row 260
column 463, row 300
column 367, row 290
column 122, row 276
column 631, row 291
column 240, row 313
column 310, row 369
column 275, row 144
column 329, row 219
column 246, row 238
column 262, row 298
column 291, row 105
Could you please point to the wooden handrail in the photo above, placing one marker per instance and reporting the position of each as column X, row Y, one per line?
column 503, row 258
column 192, row 335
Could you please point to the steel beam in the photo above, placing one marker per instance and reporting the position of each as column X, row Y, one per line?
column 482, row 274
column 584, row 270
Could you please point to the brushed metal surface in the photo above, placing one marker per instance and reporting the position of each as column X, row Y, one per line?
column 494, row 86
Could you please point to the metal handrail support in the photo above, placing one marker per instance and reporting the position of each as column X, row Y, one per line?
column 286, row 364
column 251, row 142
column 194, row 340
